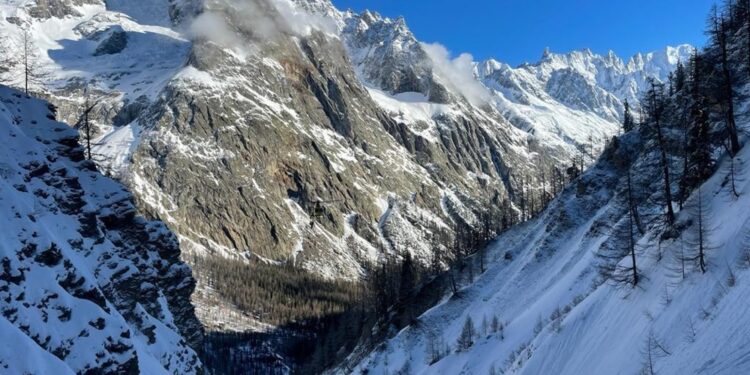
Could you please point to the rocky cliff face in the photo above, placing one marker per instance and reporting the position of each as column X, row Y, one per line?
column 388, row 56
column 86, row 285
column 277, row 150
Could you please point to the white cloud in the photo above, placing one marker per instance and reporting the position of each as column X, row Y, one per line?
column 457, row 73
column 212, row 26
column 235, row 23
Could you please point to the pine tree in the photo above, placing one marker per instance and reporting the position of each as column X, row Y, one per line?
column 573, row 171
column 85, row 122
column 633, row 203
column 670, row 80
column 652, row 350
column 628, row 122
column 680, row 77
column 695, row 79
column 29, row 61
column 655, row 106
column 701, row 232
column 495, row 324
column 466, row 338
column 436, row 347
column 700, row 164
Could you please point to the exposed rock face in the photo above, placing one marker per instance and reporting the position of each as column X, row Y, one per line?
column 57, row 8
column 390, row 57
column 114, row 43
column 86, row 285
column 300, row 128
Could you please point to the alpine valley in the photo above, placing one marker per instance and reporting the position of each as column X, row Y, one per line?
column 280, row 186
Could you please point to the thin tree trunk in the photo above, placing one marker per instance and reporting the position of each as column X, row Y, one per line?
column 634, row 206
column 650, row 356
column 682, row 258
column 632, row 248
column 665, row 167
column 701, row 239
column 728, row 92
column 683, row 183
column 734, row 183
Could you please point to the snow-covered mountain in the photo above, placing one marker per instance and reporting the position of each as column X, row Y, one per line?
column 574, row 99
column 86, row 285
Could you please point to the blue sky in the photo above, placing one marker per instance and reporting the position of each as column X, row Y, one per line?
column 515, row 31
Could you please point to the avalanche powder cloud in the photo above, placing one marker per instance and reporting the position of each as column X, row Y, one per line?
column 458, row 72
column 234, row 23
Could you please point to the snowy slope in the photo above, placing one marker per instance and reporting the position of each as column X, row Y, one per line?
column 85, row 284
column 561, row 318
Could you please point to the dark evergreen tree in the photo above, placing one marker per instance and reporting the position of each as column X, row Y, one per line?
column 700, row 164
column 27, row 57
column 494, row 324
column 628, row 123
column 680, row 77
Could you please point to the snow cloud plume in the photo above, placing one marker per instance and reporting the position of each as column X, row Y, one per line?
column 458, row 73
column 235, row 23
